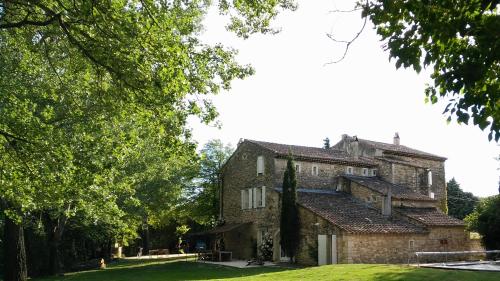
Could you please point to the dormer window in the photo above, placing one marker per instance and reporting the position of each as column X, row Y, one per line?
column 314, row 170
column 365, row 172
column 260, row 165
column 349, row 170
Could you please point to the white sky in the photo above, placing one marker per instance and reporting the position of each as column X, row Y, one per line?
column 295, row 99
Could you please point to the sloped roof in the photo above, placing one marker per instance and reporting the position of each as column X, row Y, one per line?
column 429, row 216
column 316, row 154
column 380, row 186
column 390, row 148
column 345, row 212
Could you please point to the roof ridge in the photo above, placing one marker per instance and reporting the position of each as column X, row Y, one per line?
column 267, row 142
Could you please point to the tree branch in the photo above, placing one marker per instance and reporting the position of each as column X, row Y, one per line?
column 28, row 22
column 9, row 136
column 348, row 43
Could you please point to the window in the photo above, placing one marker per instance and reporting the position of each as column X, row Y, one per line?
column 431, row 195
column 260, row 165
column 297, row 168
column 244, row 199
column 253, row 198
column 261, row 196
column 373, row 172
column 411, row 244
column 365, row 172
column 429, row 178
column 349, row 170
column 314, row 170
column 244, row 156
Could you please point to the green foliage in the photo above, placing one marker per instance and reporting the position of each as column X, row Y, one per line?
column 486, row 220
column 266, row 247
column 460, row 203
column 459, row 40
column 289, row 221
column 202, row 203
column 94, row 102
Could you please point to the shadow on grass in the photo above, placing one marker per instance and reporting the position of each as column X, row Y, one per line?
column 162, row 270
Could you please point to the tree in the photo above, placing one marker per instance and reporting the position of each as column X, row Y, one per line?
column 73, row 71
column 289, row 221
column 203, row 200
column 460, row 203
column 486, row 220
column 459, row 40
column 326, row 143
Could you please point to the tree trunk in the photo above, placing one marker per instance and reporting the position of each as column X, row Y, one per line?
column 145, row 239
column 55, row 229
column 15, row 268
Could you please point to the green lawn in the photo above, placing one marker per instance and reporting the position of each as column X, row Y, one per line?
column 163, row 270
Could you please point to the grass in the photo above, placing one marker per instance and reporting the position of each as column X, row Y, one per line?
column 163, row 270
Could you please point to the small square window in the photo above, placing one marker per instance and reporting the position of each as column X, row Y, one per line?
column 411, row 244
column 297, row 168
column 349, row 170
column 314, row 170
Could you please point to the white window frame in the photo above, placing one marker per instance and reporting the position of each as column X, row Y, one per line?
column 314, row 170
column 429, row 178
column 373, row 172
column 297, row 170
column 349, row 170
column 365, row 171
column 260, row 165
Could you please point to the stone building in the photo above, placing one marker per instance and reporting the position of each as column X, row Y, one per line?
column 360, row 201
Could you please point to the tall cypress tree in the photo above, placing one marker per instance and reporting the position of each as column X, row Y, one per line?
column 289, row 223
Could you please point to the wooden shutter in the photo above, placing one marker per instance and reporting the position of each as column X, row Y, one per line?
column 260, row 165
column 254, row 197
column 243, row 201
column 250, row 197
column 263, row 193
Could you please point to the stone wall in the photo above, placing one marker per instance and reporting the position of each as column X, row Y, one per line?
column 240, row 173
column 370, row 197
column 313, row 225
column 415, row 177
column 327, row 174
column 438, row 186
column 397, row 248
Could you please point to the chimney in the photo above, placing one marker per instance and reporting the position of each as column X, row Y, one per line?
column 396, row 139
column 355, row 147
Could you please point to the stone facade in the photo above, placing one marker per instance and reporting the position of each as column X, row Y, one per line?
column 322, row 169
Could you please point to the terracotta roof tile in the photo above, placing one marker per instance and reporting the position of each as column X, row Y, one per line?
column 313, row 153
column 351, row 215
column 429, row 216
column 380, row 186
